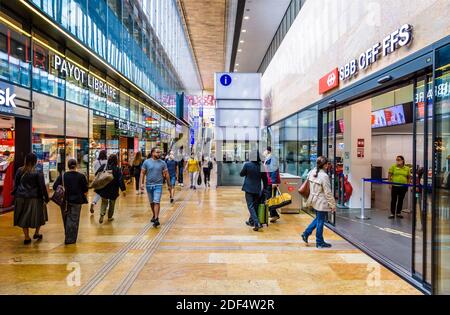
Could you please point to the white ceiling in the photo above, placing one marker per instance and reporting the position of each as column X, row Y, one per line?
column 264, row 18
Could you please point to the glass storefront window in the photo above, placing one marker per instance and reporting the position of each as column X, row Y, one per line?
column 307, row 141
column 442, row 168
column 76, row 121
column 48, row 115
column 45, row 78
column 289, row 140
column 14, row 56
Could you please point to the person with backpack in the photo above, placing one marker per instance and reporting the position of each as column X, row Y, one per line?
column 31, row 198
column 110, row 192
column 99, row 162
column 136, row 168
column 273, row 180
column 76, row 187
column 321, row 200
column 207, row 166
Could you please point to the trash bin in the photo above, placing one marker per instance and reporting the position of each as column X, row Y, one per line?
column 291, row 184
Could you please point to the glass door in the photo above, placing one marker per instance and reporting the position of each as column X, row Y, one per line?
column 329, row 149
column 422, row 179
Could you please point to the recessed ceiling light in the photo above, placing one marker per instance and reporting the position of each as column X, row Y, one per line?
column 244, row 31
column 239, row 50
column 246, row 17
column 237, row 65
column 242, row 41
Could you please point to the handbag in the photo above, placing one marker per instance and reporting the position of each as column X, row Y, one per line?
column 102, row 179
column 279, row 201
column 59, row 196
column 304, row 190
column 199, row 179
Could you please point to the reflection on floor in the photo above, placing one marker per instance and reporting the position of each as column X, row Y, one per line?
column 202, row 247
column 391, row 238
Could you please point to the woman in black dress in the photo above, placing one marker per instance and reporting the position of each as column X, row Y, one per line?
column 31, row 198
column 76, row 187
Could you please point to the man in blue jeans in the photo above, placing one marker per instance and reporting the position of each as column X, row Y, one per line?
column 152, row 174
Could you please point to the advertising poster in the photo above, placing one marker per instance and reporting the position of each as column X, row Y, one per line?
column 378, row 119
column 395, row 115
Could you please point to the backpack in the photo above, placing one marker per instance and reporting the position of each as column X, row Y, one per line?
column 210, row 165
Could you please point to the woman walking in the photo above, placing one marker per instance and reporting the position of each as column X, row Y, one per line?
column 110, row 192
column 76, row 188
column 136, row 171
column 99, row 162
column 193, row 169
column 31, row 197
column 207, row 166
column 321, row 200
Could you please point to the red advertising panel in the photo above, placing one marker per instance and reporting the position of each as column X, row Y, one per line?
column 329, row 81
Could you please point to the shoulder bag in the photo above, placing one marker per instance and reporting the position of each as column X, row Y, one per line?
column 102, row 179
column 59, row 196
column 304, row 189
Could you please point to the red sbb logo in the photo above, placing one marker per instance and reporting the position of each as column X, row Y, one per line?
column 329, row 81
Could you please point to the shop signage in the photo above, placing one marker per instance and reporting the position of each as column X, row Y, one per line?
column 397, row 39
column 127, row 126
column 6, row 98
column 329, row 81
column 72, row 71
column 360, row 148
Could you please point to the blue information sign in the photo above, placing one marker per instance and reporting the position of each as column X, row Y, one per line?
column 225, row 80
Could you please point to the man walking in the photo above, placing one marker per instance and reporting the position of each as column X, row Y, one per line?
column 153, row 172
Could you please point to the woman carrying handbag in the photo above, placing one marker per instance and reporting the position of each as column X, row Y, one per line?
column 317, row 188
column 75, row 187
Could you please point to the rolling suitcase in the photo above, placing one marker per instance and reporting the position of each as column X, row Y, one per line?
column 263, row 214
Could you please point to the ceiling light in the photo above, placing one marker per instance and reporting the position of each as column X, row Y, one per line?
column 237, row 65
column 246, row 17
column 239, row 50
column 242, row 41
column 244, row 31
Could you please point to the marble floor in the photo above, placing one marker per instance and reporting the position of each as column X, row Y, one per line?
column 202, row 247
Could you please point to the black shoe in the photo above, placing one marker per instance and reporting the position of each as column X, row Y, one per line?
column 305, row 238
column 171, row 200
column 92, row 208
column 399, row 216
column 38, row 237
column 248, row 223
column 156, row 223
column 152, row 220
column 257, row 227
column 100, row 220
column 323, row 245
column 391, row 216
column 274, row 219
column 27, row 242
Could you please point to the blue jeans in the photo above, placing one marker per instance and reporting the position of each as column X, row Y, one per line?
column 180, row 174
column 317, row 224
column 173, row 180
column 252, row 204
column 154, row 193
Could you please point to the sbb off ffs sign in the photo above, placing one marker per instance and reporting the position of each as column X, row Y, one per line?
column 397, row 39
column 329, row 81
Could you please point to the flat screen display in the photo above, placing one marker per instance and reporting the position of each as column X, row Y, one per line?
column 392, row 116
column 395, row 116
column 378, row 119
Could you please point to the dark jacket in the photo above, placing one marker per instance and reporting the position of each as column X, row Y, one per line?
column 111, row 191
column 76, row 186
column 253, row 177
column 30, row 185
column 136, row 169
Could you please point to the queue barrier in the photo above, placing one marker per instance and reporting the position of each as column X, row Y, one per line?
column 383, row 181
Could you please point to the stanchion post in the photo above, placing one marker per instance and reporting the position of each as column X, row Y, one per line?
column 363, row 199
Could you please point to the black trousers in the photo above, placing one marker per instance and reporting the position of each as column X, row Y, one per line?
column 207, row 173
column 397, row 196
column 71, row 220
column 137, row 179
column 252, row 205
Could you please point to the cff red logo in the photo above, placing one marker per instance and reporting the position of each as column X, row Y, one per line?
column 329, row 81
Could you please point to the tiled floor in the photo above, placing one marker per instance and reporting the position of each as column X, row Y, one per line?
column 202, row 247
